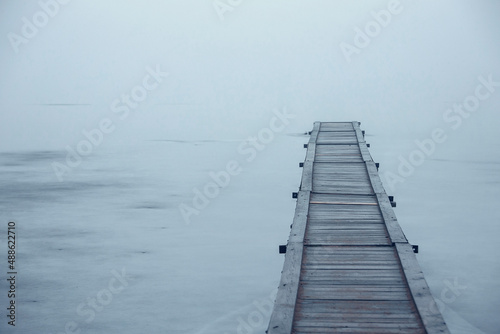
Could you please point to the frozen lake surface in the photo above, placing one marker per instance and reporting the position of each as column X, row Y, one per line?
column 108, row 251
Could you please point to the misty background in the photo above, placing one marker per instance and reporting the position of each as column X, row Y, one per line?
column 228, row 72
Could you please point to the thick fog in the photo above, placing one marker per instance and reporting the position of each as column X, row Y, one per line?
column 225, row 75
column 89, row 86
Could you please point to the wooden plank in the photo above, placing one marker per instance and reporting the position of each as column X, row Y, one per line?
column 339, row 189
column 425, row 303
column 298, row 230
column 345, row 210
column 395, row 232
column 311, row 152
column 361, row 317
column 314, row 132
column 332, row 138
column 324, row 254
column 284, row 307
column 366, row 328
column 338, row 149
column 307, row 176
column 348, row 199
column 386, row 252
column 314, row 330
column 353, row 227
column 359, row 134
column 342, row 177
column 355, row 241
column 339, row 293
column 355, row 306
column 338, row 134
column 311, row 146
column 374, row 178
column 325, row 218
column 363, row 322
column 354, row 262
column 336, row 126
column 333, row 277
column 340, row 289
column 362, row 143
column 342, row 168
column 341, row 212
column 375, row 266
column 319, row 219
column 347, row 235
column 346, row 178
column 353, row 258
column 365, row 154
column 340, row 158
column 343, row 203
column 320, row 279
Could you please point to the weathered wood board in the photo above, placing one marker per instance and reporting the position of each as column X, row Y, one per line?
column 348, row 267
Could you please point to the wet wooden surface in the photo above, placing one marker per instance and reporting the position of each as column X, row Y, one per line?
column 348, row 266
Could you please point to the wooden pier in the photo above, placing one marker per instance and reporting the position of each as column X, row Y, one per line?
column 348, row 266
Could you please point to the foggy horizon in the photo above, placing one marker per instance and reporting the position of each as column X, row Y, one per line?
column 103, row 99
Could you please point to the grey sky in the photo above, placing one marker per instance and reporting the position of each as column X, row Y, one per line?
column 227, row 75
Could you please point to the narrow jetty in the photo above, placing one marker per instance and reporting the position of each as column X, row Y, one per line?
column 348, row 266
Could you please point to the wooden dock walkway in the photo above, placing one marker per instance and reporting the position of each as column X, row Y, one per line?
column 348, row 266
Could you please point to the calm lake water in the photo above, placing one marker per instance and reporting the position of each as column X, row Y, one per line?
column 108, row 251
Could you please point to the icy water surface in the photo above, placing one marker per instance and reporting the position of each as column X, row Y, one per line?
column 108, row 251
